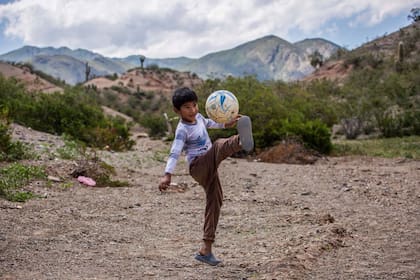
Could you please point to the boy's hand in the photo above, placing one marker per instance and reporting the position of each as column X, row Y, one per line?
column 165, row 182
column 233, row 122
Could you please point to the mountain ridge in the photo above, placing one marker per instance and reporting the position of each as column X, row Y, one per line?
column 268, row 58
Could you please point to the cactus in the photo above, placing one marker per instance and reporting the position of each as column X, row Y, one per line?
column 400, row 54
column 87, row 71
column 400, row 57
column 142, row 59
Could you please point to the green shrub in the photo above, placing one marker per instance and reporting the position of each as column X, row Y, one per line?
column 272, row 105
column 14, row 177
column 390, row 126
column 156, row 125
column 114, row 137
column 75, row 112
column 121, row 89
column 314, row 134
column 11, row 150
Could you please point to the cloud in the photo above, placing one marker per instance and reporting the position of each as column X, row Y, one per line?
column 193, row 28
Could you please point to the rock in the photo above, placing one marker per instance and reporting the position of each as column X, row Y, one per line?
column 53, row 178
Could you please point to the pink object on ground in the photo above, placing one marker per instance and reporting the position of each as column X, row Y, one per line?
column 86, row 181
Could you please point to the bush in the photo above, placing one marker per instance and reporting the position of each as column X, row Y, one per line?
column 390, row 126
column 156, row 125
column 314, row 134
column 16, row 175
column 75, row 113
column 278, row 111
column 9, row 150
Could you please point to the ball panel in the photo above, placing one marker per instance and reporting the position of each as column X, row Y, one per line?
column 222, row 106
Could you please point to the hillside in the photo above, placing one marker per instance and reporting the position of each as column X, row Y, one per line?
column 31, row 81
column 133, row 93
column 380, row 49
column 148, row 80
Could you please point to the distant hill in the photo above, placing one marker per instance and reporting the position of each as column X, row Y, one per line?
column 66, row 64
column 136, row 80
column 31, row 81
column 339, row 66
column 267, row 58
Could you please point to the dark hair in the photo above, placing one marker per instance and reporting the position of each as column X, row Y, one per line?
column 183, row 95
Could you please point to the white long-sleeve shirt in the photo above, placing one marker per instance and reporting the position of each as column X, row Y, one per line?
column 191, row 138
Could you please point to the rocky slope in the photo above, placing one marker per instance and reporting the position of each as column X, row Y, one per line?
column 381, row 48
column 29, row 80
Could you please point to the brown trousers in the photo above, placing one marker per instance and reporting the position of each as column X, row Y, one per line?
column 204, row 170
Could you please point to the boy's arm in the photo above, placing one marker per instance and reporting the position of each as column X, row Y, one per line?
column 212, row 124
column 176, row 150
column 165, row 182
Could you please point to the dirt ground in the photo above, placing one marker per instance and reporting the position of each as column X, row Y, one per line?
column 339, row 218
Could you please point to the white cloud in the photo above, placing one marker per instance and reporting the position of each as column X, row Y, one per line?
column 193, row 28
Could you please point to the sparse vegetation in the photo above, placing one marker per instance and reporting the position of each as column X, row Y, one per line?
column 49, row 78
column 11, row 150
column 90, row 165
column 74, row 112
column 406, row 147
column 15, row 177
column 72, row 149
column 156, row 125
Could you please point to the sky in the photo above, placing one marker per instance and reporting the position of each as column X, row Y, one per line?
column 192, row 28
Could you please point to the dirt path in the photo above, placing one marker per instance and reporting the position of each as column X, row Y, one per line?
column 341, row 218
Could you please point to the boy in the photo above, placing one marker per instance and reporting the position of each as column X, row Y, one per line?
column 204, row 158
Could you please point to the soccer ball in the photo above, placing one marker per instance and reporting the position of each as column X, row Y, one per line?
column 222, row 106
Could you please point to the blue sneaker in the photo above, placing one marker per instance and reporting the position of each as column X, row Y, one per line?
column 244, row 128
column 208, row 259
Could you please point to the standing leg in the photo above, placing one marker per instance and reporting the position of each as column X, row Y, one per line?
column 204, row 170
column 214, row 201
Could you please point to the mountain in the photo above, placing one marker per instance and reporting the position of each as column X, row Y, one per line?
column 66, row 64
column 267, row 58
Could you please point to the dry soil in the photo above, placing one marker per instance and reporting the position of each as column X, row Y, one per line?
column 339, row 218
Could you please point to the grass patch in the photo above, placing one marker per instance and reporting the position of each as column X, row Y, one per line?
column 15, row 176
column 11, row 150
column 160, row 156
column 407, row 147
column 91, row 166
column 72, row 149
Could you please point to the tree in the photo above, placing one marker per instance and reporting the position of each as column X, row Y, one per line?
column 316, row 59
column 87, row 71
column 414, row 14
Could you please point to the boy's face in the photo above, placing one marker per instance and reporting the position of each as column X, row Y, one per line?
column 188, row 111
